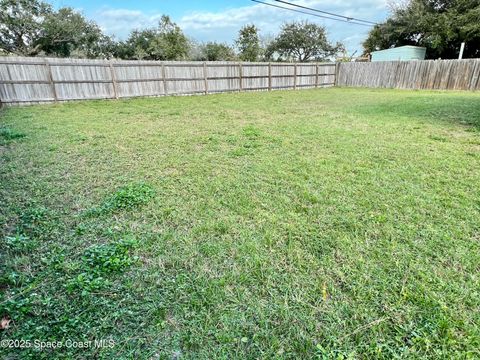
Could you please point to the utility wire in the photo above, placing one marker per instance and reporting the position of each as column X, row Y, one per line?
column 308, row 13
column 326, row 12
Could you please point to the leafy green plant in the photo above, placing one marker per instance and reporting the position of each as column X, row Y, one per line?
column 99, row 261
column 251, row 132
column 108, row 258
column 36, row 221
column 17, row 306
column 86, row 283
column 19, row 242
column 9, row 134
column 126, row 198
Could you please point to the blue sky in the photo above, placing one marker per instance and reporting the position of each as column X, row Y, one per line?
column 220, row 20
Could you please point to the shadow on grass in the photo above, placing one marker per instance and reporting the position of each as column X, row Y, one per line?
column 454, row 108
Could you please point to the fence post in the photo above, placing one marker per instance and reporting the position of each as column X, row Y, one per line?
column 165, row 88
column 114, row 80
column 269, row 76
column 295, row 77
column 337, row 66
column 205, row 77
column 240, row 75
column 50, row 79
column 316, row 75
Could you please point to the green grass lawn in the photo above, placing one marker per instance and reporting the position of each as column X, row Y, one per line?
column 330, row 223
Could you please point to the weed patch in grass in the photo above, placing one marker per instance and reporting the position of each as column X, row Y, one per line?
column 251, row 132
column 99, row 261
column 7, row 134
column 109, row 258
column 438, row 138
column 20, row 243
column 36, row 221
column 128, row 197
column 247, row 142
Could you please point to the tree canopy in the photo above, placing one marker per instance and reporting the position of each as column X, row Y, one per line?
column 165, row 42
column 66, row 31
column 248, row 43
column 439, row 25
column 213, row 51
column 303, row 41
column 31, row 27
column 21, row 25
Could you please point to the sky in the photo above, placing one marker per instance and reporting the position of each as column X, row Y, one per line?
column 220, row 21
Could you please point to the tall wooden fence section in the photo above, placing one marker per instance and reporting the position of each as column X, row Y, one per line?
column 427, row 74
column 39, row 80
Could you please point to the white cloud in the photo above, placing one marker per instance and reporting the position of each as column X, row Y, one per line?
column 120, row 22
column 224, row 25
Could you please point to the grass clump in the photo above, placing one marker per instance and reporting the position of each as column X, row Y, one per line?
column 109, row 258
column 20, row 243
column 99, row 261
column 248, row 142
column 127, row 197
column 7, row 134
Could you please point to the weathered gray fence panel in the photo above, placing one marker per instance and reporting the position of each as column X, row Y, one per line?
column 428, row 74
column 38, row 80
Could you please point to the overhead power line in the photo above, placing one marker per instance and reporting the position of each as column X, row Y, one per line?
column 353, row 22
column 326, row 12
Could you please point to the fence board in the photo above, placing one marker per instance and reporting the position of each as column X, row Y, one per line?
column 427, row 74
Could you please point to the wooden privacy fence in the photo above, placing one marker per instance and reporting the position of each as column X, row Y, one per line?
column 38, row 80
column 426, row 74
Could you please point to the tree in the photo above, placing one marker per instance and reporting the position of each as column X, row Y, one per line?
column 266, row 42
column 171, row 43
column 104, row 48
column 213, row 51
column 67, row 31
column 303, row 41
column 21, row 26
column 248, row 43
column 31, row 27
column 166, row 42
column 195, row 50
column 439, row 25
column 138, row 46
